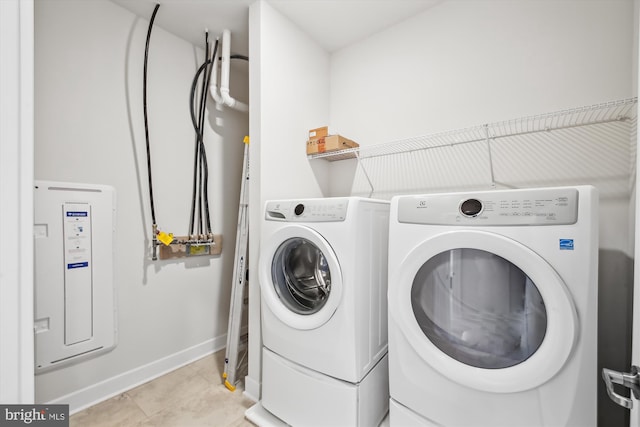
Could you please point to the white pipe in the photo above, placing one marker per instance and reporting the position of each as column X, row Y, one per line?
column 213, row 85
column 224, row 79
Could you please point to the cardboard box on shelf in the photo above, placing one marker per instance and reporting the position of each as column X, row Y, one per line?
column 318, row 132
column 329, row 143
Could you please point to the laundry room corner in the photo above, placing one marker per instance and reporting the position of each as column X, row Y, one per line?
column 89, row 129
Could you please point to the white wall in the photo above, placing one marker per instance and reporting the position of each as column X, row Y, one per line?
column 294, row 97
column 89, row 128
column 464, row 63
column 16, row 193
column 289, row 95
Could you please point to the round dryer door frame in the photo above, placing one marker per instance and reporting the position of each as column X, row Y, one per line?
column 269, row 293
column 562, row 321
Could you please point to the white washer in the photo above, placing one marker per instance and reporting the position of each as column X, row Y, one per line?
column 493, row 308
column 323, row 277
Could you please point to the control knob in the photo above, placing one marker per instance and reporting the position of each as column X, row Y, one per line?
column 471, row 207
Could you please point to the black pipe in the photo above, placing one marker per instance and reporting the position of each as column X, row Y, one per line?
column 192, row 103
column 200, row 197
column 200, row 142
column 205, row 183
column 146, row 120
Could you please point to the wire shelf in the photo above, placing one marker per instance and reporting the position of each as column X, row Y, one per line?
column 593, row 145
column 607, row 112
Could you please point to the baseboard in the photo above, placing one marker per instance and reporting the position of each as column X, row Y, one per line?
column 96, row 393
column 251, row 388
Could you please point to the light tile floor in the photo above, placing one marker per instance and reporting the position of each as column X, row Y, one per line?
column 190, row 396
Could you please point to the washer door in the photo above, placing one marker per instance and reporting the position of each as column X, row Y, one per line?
column 484, row 311
column 300, row 277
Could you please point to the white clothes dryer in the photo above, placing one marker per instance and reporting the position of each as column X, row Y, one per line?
column 323, row 279
column 493, row 308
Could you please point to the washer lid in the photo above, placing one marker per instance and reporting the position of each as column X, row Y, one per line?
column 484, row 311
column 300, row 277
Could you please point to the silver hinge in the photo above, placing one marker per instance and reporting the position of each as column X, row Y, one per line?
column 630, row 380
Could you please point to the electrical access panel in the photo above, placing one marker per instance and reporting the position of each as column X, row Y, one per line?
column 75, row 310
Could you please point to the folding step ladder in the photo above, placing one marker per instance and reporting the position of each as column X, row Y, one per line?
column 237, row 336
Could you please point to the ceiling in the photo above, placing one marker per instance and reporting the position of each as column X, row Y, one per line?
column 333, row 24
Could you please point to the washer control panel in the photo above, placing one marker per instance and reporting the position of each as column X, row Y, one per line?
column 311, row 210
column 551, row 206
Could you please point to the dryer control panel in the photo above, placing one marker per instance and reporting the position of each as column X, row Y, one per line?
column 307, row 210
column 550, row 206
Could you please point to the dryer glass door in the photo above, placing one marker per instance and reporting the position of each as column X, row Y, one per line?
column 479, row 308
column 301, row 276
column 484, row 310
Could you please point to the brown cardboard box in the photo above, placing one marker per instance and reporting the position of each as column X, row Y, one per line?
column 329, row 143
column 318, row 132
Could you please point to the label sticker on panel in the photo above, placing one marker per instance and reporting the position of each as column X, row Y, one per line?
column 566, row 244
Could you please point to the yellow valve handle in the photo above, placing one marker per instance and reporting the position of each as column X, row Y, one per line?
column 165, row 238
column 246, row 139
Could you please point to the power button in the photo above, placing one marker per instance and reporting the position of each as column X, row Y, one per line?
column 471, row 207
